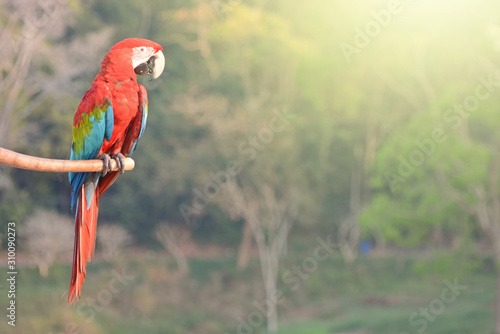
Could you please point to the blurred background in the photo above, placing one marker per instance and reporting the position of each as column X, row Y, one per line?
column 309, row 167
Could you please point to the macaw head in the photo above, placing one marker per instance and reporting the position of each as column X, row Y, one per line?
column 145, row 56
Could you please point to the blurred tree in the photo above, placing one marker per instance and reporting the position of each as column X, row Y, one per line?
column 39, row 91
column 173, row 237
column 26, row 28
column 112, row 240
column 438, row 172
column 247, row 177
column 48, row 235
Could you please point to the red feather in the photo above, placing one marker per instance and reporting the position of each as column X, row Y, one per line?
column 85, row 235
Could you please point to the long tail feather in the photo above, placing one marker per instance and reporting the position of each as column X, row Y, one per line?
column 85, row 235
column 106, row 181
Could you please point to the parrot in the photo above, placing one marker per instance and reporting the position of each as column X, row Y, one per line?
column 108, row 123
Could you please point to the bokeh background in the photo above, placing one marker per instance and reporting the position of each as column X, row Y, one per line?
column 309, row 167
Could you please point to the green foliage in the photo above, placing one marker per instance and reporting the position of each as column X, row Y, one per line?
column 236, row 63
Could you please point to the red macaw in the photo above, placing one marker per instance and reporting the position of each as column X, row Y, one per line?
column 108, row 124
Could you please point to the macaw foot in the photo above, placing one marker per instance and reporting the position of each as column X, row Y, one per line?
column 106, row 160
column 120, row 162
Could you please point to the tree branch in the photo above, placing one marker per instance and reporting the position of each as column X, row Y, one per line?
column 18, row 160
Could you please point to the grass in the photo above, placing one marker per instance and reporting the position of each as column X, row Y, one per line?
column 375, row 295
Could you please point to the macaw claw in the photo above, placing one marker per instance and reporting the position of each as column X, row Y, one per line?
column 120, row 162
column 106, row 163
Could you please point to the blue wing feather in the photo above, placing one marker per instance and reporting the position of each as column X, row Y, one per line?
column 109, row 121
column 92, row 126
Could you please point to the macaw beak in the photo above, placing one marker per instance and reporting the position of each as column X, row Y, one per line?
column 157, row 63
column 153, row 66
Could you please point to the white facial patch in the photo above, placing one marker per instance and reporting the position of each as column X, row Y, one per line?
column 141, row 55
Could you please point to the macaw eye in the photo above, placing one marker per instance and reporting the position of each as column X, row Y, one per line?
column 141, row 49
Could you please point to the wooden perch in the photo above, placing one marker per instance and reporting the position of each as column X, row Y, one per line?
column 18, row 160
